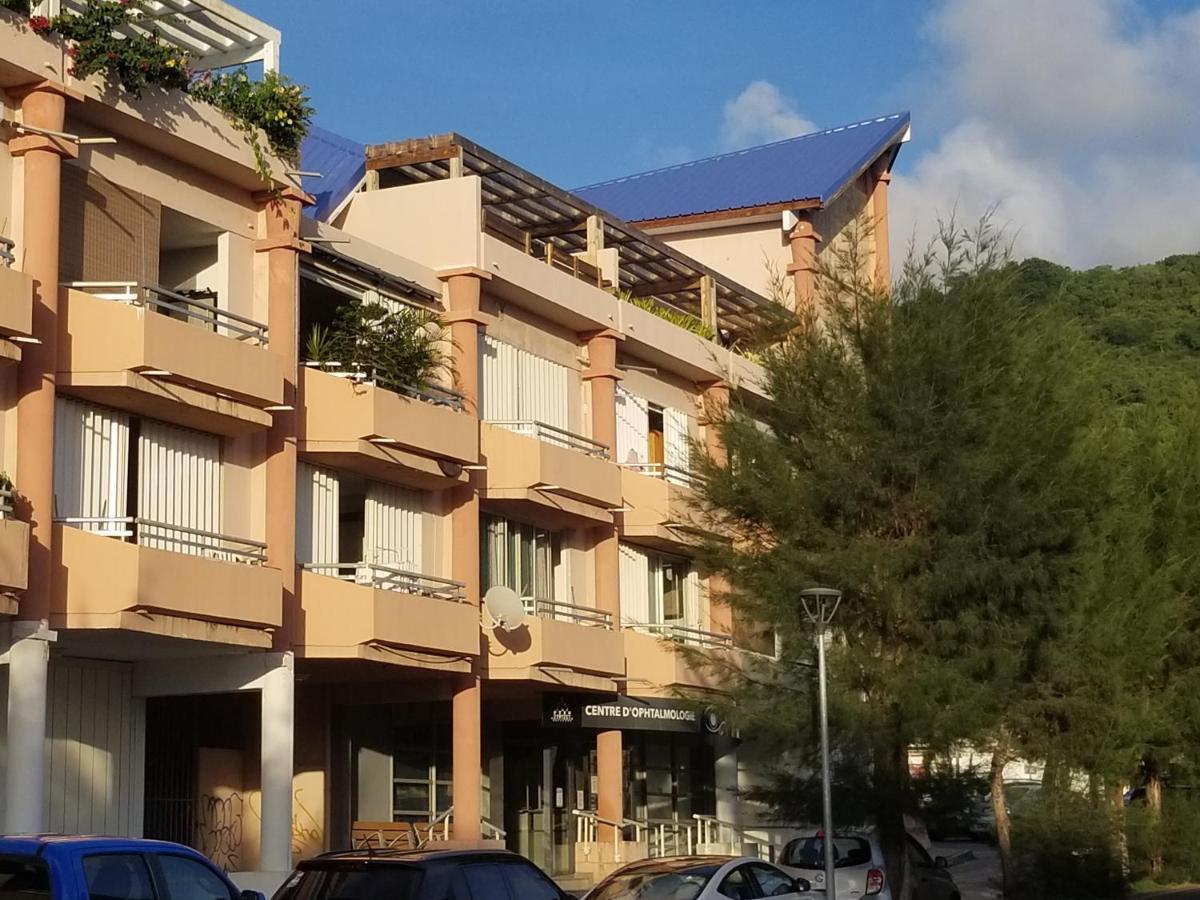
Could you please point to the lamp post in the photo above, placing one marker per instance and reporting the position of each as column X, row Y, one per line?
column 820, row 603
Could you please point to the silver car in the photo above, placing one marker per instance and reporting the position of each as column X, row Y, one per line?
column 701, row 878
column 859, row 870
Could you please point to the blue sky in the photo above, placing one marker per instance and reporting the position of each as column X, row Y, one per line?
column 1075, row 119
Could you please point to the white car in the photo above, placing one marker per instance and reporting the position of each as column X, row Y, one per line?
column 701, row 878
column 859, row 870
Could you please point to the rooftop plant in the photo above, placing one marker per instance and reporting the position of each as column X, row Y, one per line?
column 678, row 317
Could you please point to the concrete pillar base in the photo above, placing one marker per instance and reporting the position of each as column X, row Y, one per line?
column 278, row 731
column 25, row 774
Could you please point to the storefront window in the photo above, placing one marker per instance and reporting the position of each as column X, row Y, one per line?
column 671, row 777
column 421, row 773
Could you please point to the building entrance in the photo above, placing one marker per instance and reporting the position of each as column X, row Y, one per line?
column 545, row 781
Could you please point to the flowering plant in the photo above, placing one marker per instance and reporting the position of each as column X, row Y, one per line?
column 136, row 59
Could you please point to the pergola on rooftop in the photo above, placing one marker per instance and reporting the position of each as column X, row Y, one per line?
column 548, row 222
column 213, row 33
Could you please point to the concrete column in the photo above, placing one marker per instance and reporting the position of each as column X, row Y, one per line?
column 803, row 268
column 463, row 296
column 610, row 775
column 25, row 775
column 726, row 780
column 280, row 227
column 43, row 105
column 278, row 752
column 602, row 377
column 879, row 229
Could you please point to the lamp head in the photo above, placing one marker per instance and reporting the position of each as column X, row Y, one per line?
column 820, row 603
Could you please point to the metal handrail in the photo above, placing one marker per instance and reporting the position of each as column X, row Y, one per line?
column 7, row 245
column 443, row 818
column 158, row 297
column 681, row 834
column 686, row 634
column 672, row 474
column 587, row 830
column 391, row 578
column 433, row 394
column 710, row 828
column 546, row 608
column 6, row 503
column 552, row 434
column 199, row 542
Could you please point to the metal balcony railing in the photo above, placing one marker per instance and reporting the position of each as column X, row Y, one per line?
column 685, row 634
column 391, row 578
column 431, row 393
column 240, row 327
column 176, row 538
column 567, row 612
column 671, row 474
column 552, row 434
column 7, row 245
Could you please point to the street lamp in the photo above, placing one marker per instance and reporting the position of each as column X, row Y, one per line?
column 820, row 603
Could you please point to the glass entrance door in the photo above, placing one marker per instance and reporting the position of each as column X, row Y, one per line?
column 544, row 785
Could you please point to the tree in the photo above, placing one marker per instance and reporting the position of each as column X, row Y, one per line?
column 921, row 451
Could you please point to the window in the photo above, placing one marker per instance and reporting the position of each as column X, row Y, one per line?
column 23, row 878
column 190, row 879
column 657, row 589
column 655, row 435
column 917, row 855
column 520, row 557
column 483, row 882
column 809, row 853
column 527, row 883
column 362, row 882
column 117, row 877
column 672, row 574
column 738, row 885
column 772, row 882
column 421, row 775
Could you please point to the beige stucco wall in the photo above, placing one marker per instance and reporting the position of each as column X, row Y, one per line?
column 742, row 251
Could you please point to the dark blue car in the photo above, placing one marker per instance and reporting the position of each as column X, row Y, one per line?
column 60, row 867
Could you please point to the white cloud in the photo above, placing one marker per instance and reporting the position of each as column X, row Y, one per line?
column 761, row 114
column 1078, row 123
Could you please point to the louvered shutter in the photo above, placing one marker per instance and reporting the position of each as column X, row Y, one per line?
column 392, row 527
column 179, row 487
column 543, row 390
column 317, row 502
column 91, row 464
column 500, row 377
column 635, row 586
column 692, row 600
column 677, row 451
column 633, row 428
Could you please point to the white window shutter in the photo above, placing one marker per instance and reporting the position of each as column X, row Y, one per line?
column 677, row 450
column 179, row 486
column 317, row 502
column 635, row 586
column 693, row 597
column 91, row 464
column 499, row 374
column 543, row 390
column 633, row 428
column 392, row 527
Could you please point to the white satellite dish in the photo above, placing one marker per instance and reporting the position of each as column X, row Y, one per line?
column 505, row 607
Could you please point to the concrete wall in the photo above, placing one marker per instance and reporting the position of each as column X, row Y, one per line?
column 742, row 251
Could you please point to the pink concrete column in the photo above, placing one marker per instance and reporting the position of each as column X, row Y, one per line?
column 879, row 222
column 43, row 105
column 467, row 759
column 610, row 777
column 715, row 401
column 803, row 268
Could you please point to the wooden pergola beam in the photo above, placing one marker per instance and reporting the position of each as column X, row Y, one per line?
column 676, row 286
column 415, row 157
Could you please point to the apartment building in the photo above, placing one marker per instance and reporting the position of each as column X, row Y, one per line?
column 243, row 582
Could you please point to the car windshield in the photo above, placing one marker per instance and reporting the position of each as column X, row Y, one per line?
column 809, row 853
column 685, row 884
column 355, row 881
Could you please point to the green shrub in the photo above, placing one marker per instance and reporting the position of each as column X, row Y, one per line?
column 1062, row 850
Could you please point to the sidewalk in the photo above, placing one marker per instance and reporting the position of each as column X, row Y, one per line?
column 975, row 868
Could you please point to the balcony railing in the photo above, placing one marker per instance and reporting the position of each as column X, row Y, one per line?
column 543, row 249
column 552, row 434
column 431, row 393
column 158, row 298
column 7, row 245
column 545, row 608
column 685, row 634
column 671, row 474
column 6, row 503
column 390, row 578
column 176, row 538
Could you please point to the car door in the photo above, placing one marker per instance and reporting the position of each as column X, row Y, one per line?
column 482, row 881
column 929, row 882
column 773, row 882
column 527, row 882
column 739, row 884
column 181, row 877
column 117, row 876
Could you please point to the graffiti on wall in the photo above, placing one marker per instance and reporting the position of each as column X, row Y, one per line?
column 220, row 829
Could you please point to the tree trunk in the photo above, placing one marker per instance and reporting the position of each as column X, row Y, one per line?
column 1119, row 846
column 891, row 783
column 1000, row 810
column 1154, row 800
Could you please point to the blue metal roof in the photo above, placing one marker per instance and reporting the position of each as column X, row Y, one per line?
column 811, row 167
column 342, row 164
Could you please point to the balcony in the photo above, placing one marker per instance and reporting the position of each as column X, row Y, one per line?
column 558, row 479
column 133, row 574
column 16, row 303
column 658, row 506
column 421, row 440
column 658, row 661
column 163, row 355
column 381, row 613
column 14, row 554
column 559, row 644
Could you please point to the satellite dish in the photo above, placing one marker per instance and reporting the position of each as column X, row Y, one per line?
column 505, row 607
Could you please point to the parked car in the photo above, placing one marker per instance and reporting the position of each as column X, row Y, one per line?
column 419, row 875
column 700, row 878
column 859, row 870
column 95, row 868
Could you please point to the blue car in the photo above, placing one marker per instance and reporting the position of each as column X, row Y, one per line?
column 97, row 868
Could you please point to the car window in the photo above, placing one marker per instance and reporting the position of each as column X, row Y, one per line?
column 117, row 876
column 185, row 878
column 484, row 881
column 809, row 853
column 526, row 882
column 738, row 885
column 23, row 878
column 772, row 882
column 917, row 855
column 357, row 880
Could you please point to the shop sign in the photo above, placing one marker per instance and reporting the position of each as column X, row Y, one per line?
column 625, row 714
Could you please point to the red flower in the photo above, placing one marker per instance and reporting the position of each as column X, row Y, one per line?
column 39, row 24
